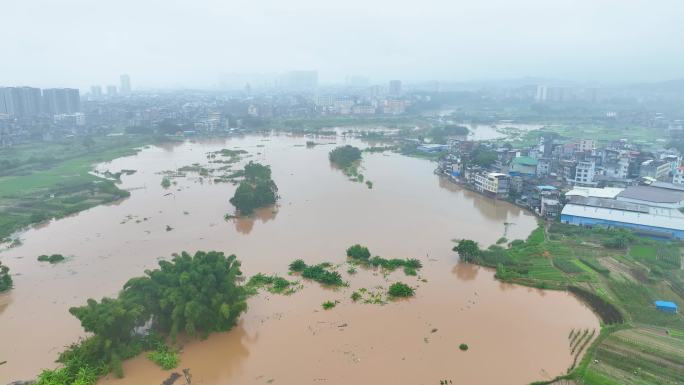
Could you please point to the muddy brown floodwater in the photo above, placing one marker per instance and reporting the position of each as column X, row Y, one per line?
column 516, row 334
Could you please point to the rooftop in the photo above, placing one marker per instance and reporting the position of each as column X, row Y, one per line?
column 652, row 194
column 608, row 203
column 525, row 161
column 665, row 219
column 607, row 192
column 667, row 185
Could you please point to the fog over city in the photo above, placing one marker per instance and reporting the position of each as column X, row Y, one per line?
column 205, row 43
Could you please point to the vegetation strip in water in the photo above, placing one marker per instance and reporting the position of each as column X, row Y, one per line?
column 320, row 273
column 54, row 258
column 274, row 284
column 196, row 294
column 347, row 158
column 362, row 256
column 619, row 275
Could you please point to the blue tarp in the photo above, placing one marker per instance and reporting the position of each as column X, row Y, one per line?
column 666, row 306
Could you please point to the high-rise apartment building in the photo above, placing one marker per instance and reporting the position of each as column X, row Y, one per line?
column 61, row 101
column 125, row 84
column 395, row 87
column 301, row 80
column 20, row 102
column 96, row 92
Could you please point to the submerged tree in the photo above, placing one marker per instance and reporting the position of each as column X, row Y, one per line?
column 256, row 190
column 196, row 294
column 344, row 156
column 467, row 249
column 192, row 293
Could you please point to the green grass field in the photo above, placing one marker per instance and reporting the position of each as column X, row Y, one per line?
column 40, row 181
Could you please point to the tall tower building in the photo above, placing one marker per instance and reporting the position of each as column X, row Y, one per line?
column 61, row 100
column 96, row 92
column 6, row 101
column 21, row 102
column 301, row 80
column 542, row 93
column 395, row 87
column 111, row 91
column 125, row 84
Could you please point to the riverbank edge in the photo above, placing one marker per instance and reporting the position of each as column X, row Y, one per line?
column 131, row 150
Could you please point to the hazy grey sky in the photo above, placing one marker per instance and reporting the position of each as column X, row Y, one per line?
column 169, row 43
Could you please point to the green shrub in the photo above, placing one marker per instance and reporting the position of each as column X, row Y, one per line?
column 463, row 347
column 319, row 274
column 410, row 271
column 275, row 284
column 164, row 357
column 166, row 182
column 54, row 258
column 355, row 296
column 298, row 265
column 327, row 305
column 399, row 289
column 358, row 252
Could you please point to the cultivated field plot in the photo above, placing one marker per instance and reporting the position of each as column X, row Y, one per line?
column 638, row 356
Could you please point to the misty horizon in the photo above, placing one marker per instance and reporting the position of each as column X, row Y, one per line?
column 210, row 44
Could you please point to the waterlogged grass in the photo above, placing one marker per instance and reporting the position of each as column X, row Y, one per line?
column 273, row 283
column 40, row 181
column 361, row 255
column 320, row 273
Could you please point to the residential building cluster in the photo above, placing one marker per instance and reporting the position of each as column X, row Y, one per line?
column 615, row 185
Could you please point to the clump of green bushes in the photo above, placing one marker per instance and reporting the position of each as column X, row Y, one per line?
column 319, row 273
column 361, row 255
column 274, row 283
column 166, row 182
column 166, row 358
column 399, row 289
column 155, row 299
column 327, row 305
column 463, row 347
column 54, row 258
column 256, row 190
column 344, row 156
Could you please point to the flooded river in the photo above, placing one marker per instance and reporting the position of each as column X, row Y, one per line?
column 516, row 335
